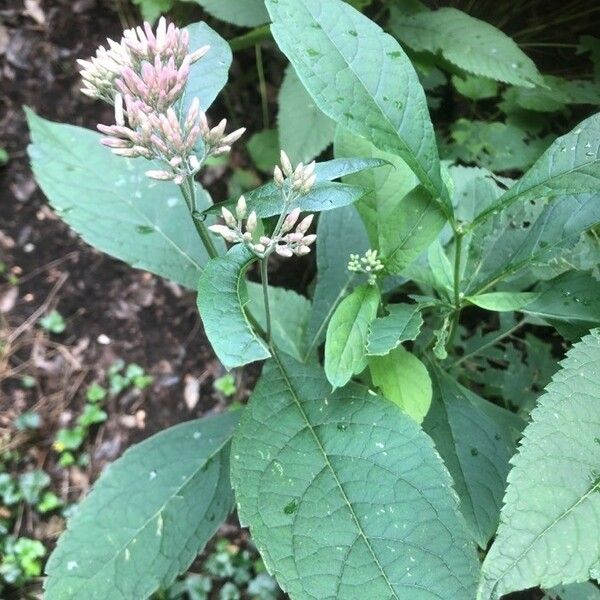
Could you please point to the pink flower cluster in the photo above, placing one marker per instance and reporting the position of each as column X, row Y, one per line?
column 145, row 76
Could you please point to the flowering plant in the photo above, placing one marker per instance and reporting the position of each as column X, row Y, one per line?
column 375, row 469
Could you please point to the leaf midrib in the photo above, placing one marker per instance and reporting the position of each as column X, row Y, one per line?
column 333, row 473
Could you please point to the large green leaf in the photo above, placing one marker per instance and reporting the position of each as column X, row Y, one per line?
column 148, row 516
column 345, row 345
column 385, row 187
column 361, row 78
column 403, row 379
column 575, row 591
column 304, row 131
column 403, row 323
column 345, row 496
column 503, row 301
column 339, row 234
column 572, row 300
column 407, row 229
column 221, row 304
column 289, row 317
column 476, row 440
column 527, row 234
column 472, row 45
column 208, row 75
column 550, row 523
column 323, row 196
column 244, row 13
column 111, row 203
column 570, row 166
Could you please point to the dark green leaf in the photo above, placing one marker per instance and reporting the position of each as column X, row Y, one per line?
column 221, row 306
column 148, row 516
column 345, row 496
column 403, row 323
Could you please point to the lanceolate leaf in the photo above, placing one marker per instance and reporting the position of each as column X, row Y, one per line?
column 473, row 45
column 550, row 523
column 345, row 496
column 289, row 317
column 345, row 346
column 304, row 131
column 476, row 440
column 503, row 301
column 339, row 234
column 570, row 166
column 526, row 235
column 221, row 305
column 111, row 203
column 324, row 195
column 403, row 323
column 209, row 74
column 403, row 379
column 385, row 187
column 148, row 516
column 361, row 78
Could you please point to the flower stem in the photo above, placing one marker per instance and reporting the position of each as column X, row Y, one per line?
column 458, row 236
column 264, row 276
column 188, row 190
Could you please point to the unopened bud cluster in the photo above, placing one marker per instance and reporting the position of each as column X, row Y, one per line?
column 299, row 180
column 284, row 241
column 368, row 264
column 144, row 76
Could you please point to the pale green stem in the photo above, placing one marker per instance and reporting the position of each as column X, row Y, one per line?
column 458, row 236
column 264, row 276
column 188, row 191
column 262, row 84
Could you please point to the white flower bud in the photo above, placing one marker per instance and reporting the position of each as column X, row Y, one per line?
column 305, row 224
column 302, row 250
column 309, row 169
column 247, row 236
column 194, row 162
column 307, row 185
column 119, row 111
column 232, row 137
column 251, row 222
column 160, row 175
column 266, row 241
column 228, row 217
column 259, row 248
column 241, row 208
column 286, row 165
column 290, row 220
column 224, row 232
column 278, row 176
column 283, row 251
column 309, row 239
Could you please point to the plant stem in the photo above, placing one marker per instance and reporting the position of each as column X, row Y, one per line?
column 262, row 84
column 264, row 276
column 458, row 236
column 188, row 191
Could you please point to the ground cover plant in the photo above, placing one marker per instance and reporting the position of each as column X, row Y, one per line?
column 387, row 451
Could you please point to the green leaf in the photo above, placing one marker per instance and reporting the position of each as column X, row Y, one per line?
column 550, row 523
column 304, row 131
column 361, row 78
column 263, row 148
column 209, row 75
column 527, row 234
column 148, row 516
column 91, row 415
column 247, row 13
column 475, row 88
column 570, row 166
column 53, row 322
column 572, row 298
column 385, row 187
column 406, row 230
column 472, row 45
column 32, row 483
column 345, row 496
column 575, row 591
column 324, row 196
column 403, row 379
column 345, row 344
column 403, row 323
column 339, row 234
column 109, row 201
column 152, row 9
column 476, row 440
column 503, row 301
column 495, row 146
column 289, row 317
column 221, row 307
